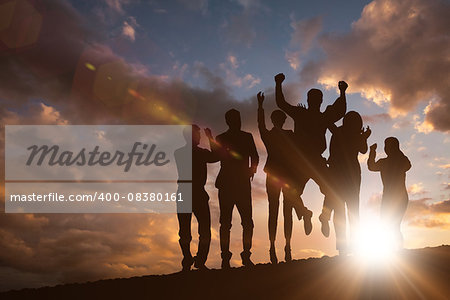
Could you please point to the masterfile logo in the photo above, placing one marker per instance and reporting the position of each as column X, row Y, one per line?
column 100, row 168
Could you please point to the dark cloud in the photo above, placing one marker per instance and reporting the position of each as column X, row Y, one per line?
column 396, row 52
column 305, row 32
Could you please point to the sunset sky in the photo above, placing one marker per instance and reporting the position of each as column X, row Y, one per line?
column 182, row 62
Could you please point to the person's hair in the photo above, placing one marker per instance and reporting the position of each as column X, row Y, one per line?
column 353, row 121
column 314, row 95
column 278, row 116
column 231, row 114
column 393, row 145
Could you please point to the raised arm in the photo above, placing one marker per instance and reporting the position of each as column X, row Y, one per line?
column 279, row 97
column 216, row 149
column 371, row 164
column 336, row 111
column 261, row 118
column 210, row 156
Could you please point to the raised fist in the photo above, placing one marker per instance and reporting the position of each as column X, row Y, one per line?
column 260, row 97
column 279, row 78
column 366, row 132
column 373, row 147
column 342, row 86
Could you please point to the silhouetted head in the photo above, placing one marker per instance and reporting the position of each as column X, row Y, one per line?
column 192, row 133
column 278, row 118
column 391, row 146
column 233, row 119
column 352, row 122
column 315, row 98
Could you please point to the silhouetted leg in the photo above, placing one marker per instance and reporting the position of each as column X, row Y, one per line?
column 397, row 221
column 287, row 214
column 273, row 194
column 325, row 178
column 273, row 189
column 226, row 204
column 201, row 212
column 353, row 210
column 327, row 208
column 295, row 191
column 184, row 221
column 339, row 221
column 244, row 206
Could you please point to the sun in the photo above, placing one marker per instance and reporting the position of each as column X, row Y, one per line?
column 374, row 243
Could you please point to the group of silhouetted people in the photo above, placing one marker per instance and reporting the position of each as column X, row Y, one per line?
column 293, row 157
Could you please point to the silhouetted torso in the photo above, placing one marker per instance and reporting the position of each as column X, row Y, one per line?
column 344, row 150
column 310, row 126
column 200, row 157
column 393, row 175
column 236, row 148
column 280, row 150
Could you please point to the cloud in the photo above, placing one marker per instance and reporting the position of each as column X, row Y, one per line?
column 417, row 189
column 395, row 53
column 129, row 28
column 293, row 58
column 427, row 213
column 117, row 5
column 303, row 37
column 377, row 118
column 305, row 32
column 233, row 61
column 230, row 67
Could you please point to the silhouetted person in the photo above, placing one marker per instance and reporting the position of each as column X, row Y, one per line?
column 310, row 125
column 344, row 175
column 393, row 170
column 200, row 198
column 280, row 149
column 235, row 148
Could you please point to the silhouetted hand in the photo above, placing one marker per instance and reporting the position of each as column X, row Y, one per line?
column 342, row 86
column 279, row 78
column 373, row 147
column 302, row 105
column 208, row 133
column 366, row 132
column 260, row 97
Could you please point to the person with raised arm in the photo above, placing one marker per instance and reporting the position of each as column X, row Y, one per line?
column 239, row 159
column 347, row 141
column 393, row 170
column 310, row 126
column 200, row 206
column 280, row 148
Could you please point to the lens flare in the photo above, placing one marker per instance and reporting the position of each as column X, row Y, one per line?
column 375, row 243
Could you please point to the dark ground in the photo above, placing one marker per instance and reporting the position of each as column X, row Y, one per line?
column 417, row 274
